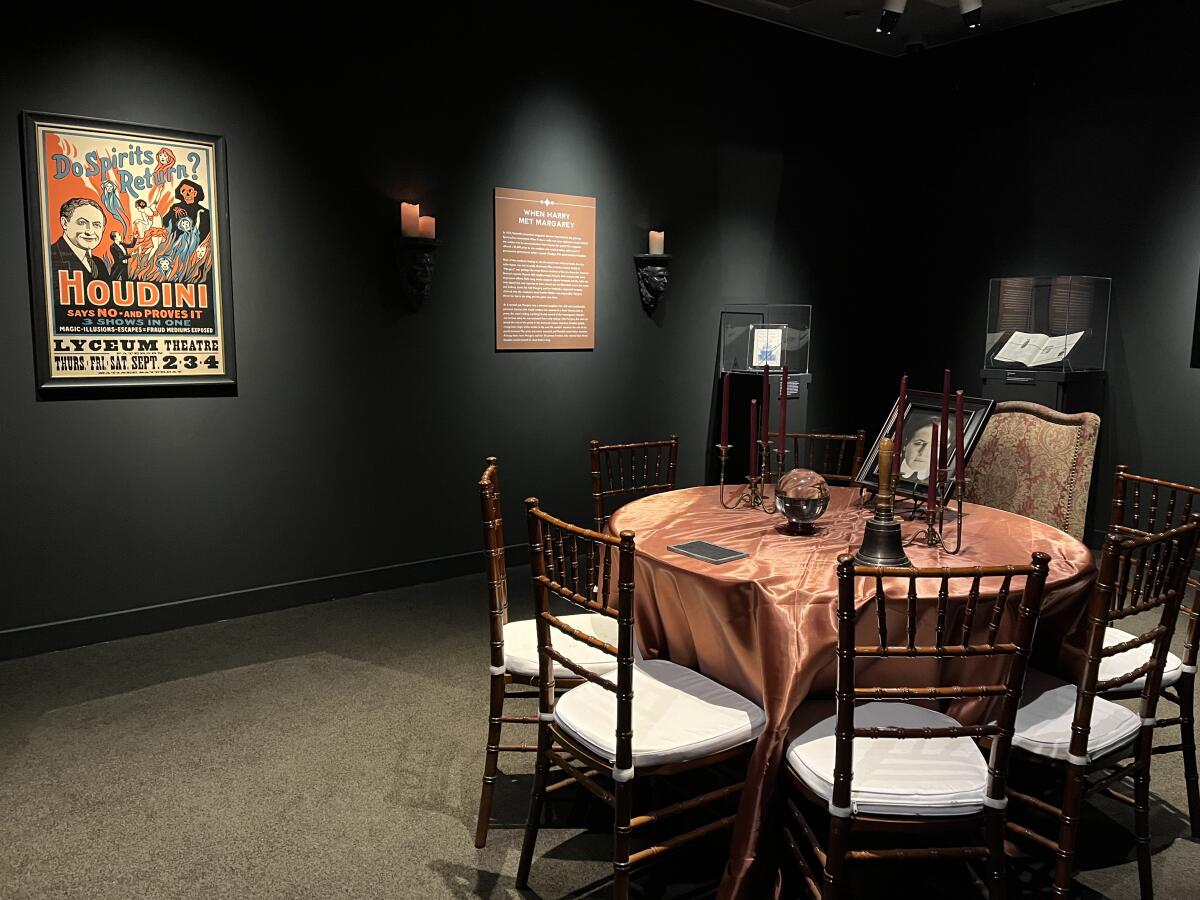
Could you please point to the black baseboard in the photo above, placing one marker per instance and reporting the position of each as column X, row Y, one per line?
column 48, row 636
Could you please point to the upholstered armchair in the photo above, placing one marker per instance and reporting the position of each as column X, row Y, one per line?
column 1037, row 462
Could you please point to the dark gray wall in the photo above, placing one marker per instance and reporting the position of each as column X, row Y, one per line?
column 357, row 432
column 783, row 168
column 1072, row 147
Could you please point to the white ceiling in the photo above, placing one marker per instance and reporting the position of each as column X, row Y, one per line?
column 932, row 23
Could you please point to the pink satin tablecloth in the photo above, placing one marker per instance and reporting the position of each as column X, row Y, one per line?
column 766, row 625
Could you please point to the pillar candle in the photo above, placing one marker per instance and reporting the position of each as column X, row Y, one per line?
column 725, row 410
column 901, row 404
column 427, row 226
column 933, row 468
column 410, row 215
column 765, row 409
column 783, row 386
column 753, row 438
column 945, row 414
column 657, row 239
column 958, row 436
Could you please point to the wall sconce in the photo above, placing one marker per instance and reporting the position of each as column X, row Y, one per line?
column 653, row 270
column 418, row 243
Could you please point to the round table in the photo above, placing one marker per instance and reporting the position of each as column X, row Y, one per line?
column 766, row 625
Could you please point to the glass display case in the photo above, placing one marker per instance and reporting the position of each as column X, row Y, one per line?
column 1048, row 323
column 772, row 334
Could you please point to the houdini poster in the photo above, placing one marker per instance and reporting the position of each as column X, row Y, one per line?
column 545, row 271
column 129, row 253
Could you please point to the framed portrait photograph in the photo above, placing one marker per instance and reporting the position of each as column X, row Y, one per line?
column 128, row 234
column 923, row 411
column 767, row 343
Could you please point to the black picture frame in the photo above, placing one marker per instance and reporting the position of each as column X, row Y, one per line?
column 921, row 409
column 149, row 356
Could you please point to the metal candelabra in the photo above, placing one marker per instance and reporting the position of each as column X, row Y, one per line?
column 934, row 532
column 754, row 495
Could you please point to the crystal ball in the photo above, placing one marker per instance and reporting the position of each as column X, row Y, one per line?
column 803, row 496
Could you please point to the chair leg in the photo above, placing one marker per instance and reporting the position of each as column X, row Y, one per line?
column 1186, row 686
column 1068, row 830
column 835, row 858
column 1141, row 812
column 491, row 757
column 536, row 798
column 997, row 875
column 623, row 794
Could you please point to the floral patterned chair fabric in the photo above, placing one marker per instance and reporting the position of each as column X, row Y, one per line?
column 1037, row 462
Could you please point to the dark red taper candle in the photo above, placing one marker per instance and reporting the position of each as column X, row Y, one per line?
column 753, row 438
column 783, row 388
column 945, row 414
column 765, row 409
column 933, row 467
column 725, row 410
column 959, row 462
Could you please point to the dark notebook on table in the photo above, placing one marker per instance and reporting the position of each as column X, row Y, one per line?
column 711, row 553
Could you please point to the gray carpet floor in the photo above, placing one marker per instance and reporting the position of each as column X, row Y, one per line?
column 335, row 750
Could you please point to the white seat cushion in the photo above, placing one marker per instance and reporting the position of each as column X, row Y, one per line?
column 896, row 776
column 1044, row 719
column 1122, row 663
column 678, row 715
column 521, row 645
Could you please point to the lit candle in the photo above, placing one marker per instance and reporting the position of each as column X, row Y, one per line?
column 933, row 470
column 725, row 410
column 410, row 215
column 783, row 386
column 427, row 226
column 765, row 409
column 945, row 414
column 900, row 406
column 753, row 438
column 958, row 436
column 657, row 239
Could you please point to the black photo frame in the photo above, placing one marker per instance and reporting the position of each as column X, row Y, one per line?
column 923, row 408
column 146, row 306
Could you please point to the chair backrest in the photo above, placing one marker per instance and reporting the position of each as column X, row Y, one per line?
column 1137, row 574
column 1144, row 505
column 1037, row 462
column 836, row 457
column 493, row 551
column 628, row 470
column 964, row 631
column 572, row 563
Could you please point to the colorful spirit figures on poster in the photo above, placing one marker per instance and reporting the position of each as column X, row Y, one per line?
column 130, row 249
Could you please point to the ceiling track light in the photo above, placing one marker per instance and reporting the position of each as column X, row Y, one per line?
column 972, row 12
column 892, row 11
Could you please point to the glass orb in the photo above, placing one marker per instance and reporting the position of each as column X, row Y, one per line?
column 803, row 496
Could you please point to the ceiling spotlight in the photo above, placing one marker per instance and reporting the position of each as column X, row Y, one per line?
column 892, row 10
column 972, row 12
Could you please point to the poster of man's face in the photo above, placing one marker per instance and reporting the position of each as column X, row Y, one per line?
column 82, row 223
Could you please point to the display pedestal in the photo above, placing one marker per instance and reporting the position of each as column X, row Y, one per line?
column 744, row 387
column 1068, row 392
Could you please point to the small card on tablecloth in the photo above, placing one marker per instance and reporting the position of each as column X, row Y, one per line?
column 710, row 553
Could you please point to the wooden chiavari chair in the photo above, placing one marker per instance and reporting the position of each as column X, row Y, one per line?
column 895, row 765
column 514, row 657
column 630, row 470
column 1141, row 506
column 1094, row 742
column 835, row 457
column 679, row 721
